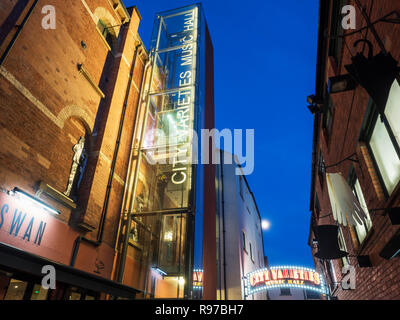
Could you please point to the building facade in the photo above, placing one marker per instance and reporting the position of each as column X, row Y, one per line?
column 356, row 125
column 239, row 233
column 88, row 116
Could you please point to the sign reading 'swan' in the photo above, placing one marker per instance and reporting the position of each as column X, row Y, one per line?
column 21, row 220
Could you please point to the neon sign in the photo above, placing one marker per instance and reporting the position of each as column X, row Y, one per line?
column 284, row 277
column 198, row 279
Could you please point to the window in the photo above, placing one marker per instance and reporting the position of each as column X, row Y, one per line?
column 383, row 142
column 285, row 292
column 342, row 246
column 244, row 241
column 251, row 252
column 104, row 30
column 39, row 293
column 16, row 290
column 360, row 229
column 336, row 42
column 327, row 118
column 317, row 206
column 321, row 169
column 392, row 110
column 332, row 275
column 241, row 187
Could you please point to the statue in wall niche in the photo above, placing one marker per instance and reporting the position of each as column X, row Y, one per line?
column 78, row 167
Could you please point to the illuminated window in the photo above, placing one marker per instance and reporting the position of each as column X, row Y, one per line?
column 380, row 134
column 16, row 290
column 39, row 293
column 342, row 246
column 360, row 229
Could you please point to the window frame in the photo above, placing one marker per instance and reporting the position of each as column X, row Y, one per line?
column 335, row 49
column 343, row 246
column 352, row 182
column 321, row 169
column 371, row 117
column 244, row 241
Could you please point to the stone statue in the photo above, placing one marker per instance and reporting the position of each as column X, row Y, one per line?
column 78, row 165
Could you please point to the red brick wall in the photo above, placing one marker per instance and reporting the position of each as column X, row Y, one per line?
column 383, row 280
column 46, row 105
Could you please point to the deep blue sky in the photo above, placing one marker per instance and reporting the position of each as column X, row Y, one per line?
column 265, row 58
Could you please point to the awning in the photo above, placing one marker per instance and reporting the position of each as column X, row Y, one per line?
column 345, row 206
column 26, row 262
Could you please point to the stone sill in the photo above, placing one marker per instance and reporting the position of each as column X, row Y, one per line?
column 57, row 195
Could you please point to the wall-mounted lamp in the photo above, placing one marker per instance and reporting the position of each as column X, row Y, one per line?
column 314, row 104
column 26, row 196
column 375, row 73
column 341, row 84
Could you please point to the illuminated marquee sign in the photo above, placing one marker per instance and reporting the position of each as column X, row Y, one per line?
column 198, row 279
column 284, row 277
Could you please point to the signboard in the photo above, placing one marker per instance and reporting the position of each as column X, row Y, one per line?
column 284, row 277
column 198, row 279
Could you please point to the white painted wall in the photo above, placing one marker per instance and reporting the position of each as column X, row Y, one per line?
column 240, row 215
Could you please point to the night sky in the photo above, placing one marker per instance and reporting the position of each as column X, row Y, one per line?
column 265, row 58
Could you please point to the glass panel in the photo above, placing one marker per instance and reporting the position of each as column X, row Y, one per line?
column 362, row 229
column 16, row 290
column 386, row 157
column 172, row 244
column 74, row 294
column 169, row 287
column 162, row 187
column 39, row 293
column 342, row 246
column 392, row 110
column 163, row 191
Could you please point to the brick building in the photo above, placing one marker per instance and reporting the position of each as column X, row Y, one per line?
column 356, row 134
column 57, row 86
column 81, row 101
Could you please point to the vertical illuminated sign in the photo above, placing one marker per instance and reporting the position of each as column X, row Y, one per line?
column 162, row 196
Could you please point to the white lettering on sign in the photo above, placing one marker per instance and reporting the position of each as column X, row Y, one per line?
column 185, row 102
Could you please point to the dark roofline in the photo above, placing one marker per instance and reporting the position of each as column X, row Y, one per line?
column 322, row 51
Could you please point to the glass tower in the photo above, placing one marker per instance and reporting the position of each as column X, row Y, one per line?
column 165, row 220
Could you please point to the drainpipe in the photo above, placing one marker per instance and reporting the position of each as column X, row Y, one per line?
column 223, row 224
column 17, row 33
column 128, row 186
column 137, row 167
column 100, row 230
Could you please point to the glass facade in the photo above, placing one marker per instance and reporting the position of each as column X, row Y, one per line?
column 164, row 196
